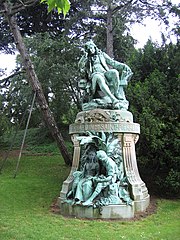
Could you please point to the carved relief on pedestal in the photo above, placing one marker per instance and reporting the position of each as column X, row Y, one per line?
column 100, row 115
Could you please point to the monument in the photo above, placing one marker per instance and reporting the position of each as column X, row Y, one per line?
column 104, row 180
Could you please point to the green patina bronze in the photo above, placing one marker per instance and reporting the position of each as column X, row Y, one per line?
column 104, row 181
column 101, row 180
column 103, row 86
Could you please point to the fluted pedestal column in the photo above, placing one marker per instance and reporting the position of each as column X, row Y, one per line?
column 67, row 184
column 139, row 191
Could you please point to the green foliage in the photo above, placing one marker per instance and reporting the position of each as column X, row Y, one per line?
column 61, row 5
column 43, row 149
column 41, row 135
column 4, row 123
column 33, row 136
column 55, row 63
column 25, row 208
column 17, row 99
column 4, row 127
column 154, row 99
column 170, row 184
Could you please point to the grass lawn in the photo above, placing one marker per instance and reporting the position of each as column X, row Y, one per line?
column 25, row 208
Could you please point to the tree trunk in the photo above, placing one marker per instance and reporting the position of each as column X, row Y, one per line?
column 109, row 33
column 36, row 86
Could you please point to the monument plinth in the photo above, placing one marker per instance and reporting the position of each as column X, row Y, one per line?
column 104, row 180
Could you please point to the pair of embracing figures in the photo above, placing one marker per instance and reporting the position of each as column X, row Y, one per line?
column 94, row 184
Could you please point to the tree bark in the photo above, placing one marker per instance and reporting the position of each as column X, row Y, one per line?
column 109, row 33
column 36, row 86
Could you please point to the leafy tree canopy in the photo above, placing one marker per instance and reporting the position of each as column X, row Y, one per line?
column 83, row 17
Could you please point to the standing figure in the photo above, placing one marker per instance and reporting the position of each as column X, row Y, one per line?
column 103, row 86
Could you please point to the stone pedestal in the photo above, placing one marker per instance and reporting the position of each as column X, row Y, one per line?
column 120, row 124
column 106, row 212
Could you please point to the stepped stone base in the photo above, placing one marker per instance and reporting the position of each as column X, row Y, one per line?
column 106, row 212
column 141, row 205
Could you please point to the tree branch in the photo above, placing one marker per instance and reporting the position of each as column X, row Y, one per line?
column 74, row 95
column 122, row 6
column 6, row 80
column 20, row 6
column 145, row 2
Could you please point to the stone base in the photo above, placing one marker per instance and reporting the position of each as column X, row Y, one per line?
column 141, row 205
column 106, row 212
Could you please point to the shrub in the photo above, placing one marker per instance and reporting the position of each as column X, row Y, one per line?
column 171, row 185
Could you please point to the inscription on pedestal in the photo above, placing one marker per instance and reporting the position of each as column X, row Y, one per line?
column 105, row 127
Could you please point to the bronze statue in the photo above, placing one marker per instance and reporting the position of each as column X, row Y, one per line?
column 103, row 86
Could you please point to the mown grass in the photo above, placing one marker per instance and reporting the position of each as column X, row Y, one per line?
column 25, row 208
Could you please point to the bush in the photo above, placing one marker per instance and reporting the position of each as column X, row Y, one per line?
column 171, row 185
